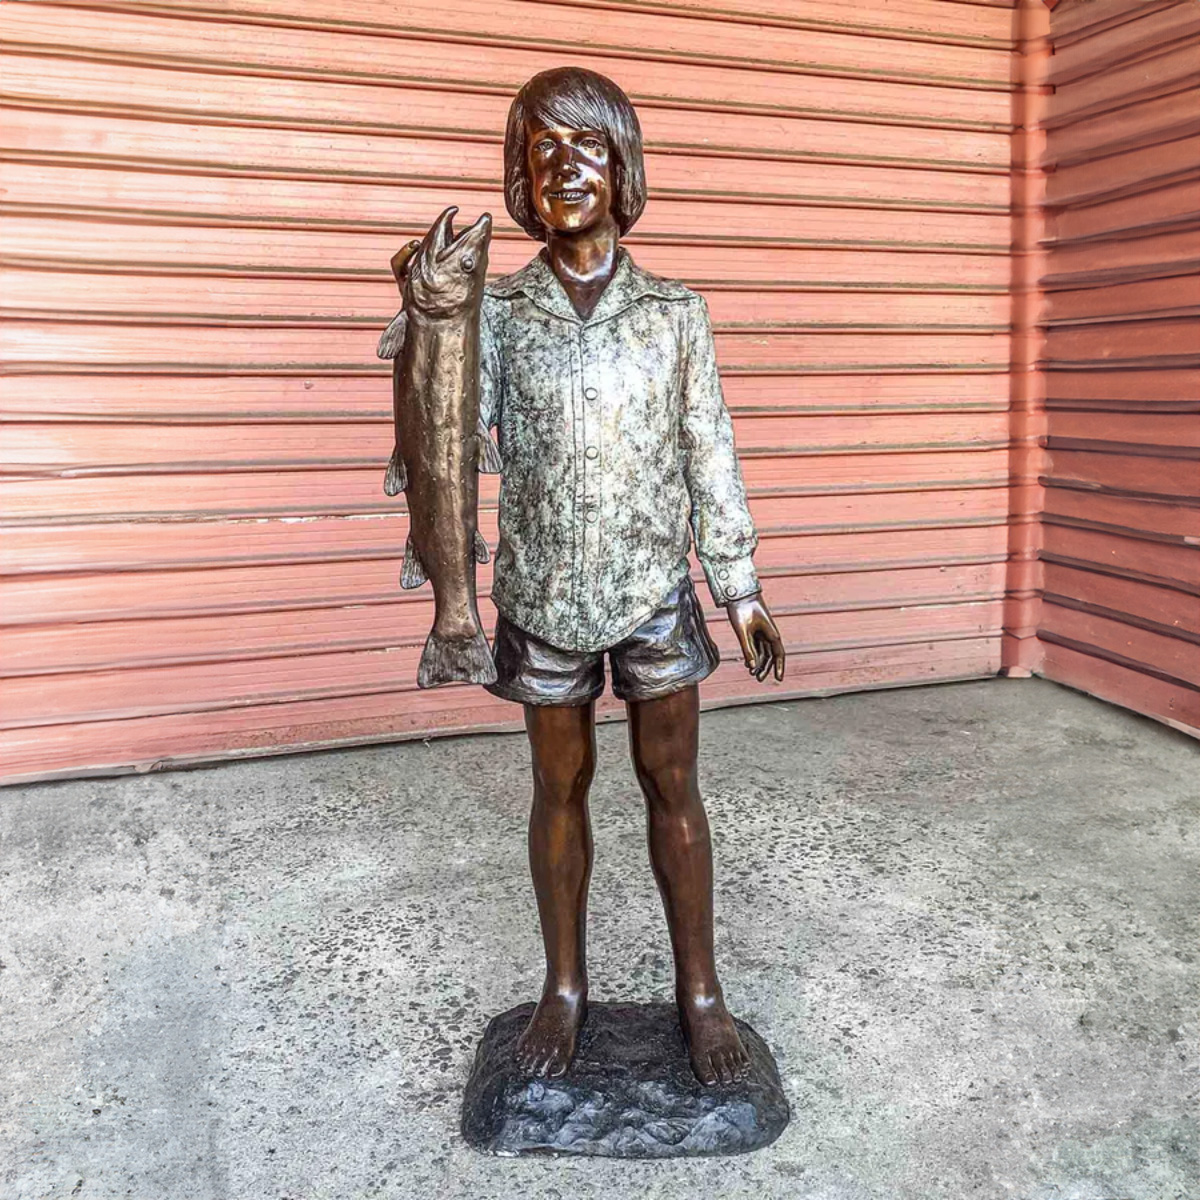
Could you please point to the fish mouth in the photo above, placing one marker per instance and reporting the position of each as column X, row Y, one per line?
column 442, row 242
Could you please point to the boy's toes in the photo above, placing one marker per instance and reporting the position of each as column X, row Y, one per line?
column 705, row 1071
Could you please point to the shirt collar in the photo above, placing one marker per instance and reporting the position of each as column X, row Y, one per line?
column 628, row 284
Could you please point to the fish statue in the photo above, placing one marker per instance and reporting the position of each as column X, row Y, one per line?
column 441, row 443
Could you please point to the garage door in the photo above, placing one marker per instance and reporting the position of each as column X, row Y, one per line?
column 200, row 203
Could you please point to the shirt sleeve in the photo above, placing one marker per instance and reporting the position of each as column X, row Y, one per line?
column 721, row 522
column 491, row 372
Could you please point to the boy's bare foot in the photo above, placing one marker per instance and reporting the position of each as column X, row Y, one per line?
column 548, row 1043
column 714, row 1047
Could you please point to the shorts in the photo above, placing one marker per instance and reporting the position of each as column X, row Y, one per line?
column 671, row 650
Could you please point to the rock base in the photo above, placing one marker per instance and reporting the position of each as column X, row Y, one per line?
column 630, row 1092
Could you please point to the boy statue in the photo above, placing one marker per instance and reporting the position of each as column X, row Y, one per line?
column 601, row 381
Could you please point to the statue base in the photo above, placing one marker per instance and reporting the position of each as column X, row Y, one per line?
column 629, row 1093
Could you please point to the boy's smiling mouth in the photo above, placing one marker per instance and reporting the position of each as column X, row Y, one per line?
column 571, row 195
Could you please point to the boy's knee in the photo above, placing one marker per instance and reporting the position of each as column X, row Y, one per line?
column 566, row 777
column 667, row 780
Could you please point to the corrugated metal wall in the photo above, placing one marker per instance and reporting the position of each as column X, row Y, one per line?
column 200, row 204
column 1121, row 530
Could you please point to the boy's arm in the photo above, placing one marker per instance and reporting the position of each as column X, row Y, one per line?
column 721, row 521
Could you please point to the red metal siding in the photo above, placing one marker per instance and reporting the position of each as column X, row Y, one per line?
column 1121, row 611
column 200, row 202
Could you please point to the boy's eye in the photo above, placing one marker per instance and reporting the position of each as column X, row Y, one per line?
column 592, row 143
column 544, row 146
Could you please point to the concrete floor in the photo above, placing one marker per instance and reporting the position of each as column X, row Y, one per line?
column 965, row 918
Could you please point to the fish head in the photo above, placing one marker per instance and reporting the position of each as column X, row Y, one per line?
column 446, row 275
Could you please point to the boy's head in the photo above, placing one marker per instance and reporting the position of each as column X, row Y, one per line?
column 558, row 102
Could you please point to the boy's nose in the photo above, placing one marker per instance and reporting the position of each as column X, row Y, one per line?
column 564, row 155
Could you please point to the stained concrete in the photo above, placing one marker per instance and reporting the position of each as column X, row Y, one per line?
column 964, row 917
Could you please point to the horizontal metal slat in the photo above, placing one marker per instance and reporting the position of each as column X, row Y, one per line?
column 1129, row 171
column 1173, row 207
column 80, row 448
column 313, row 492
column 1073, row 19
column 371, row 304
column 1166, row 607
column 1116, row 341
column 1172, row 522
column 102, row 747
column 1173, row 385
column 1123, row 260
column 1129, row 429
column 1145, row 122
column 296, row 53
column 334, row 127
column 923, row 531
column 1153, row 31
column 625, row 32
column 134, row 242
column 1165, row 478
column 144, row 691
column 694, row 220
column 45, row 345
column 1170, row 659
column 115, row 644
column 1124, row 84
column 1122, row 553
column 1176, row 295
column 286, row 398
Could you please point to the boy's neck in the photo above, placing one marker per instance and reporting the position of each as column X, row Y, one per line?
column 584, row 262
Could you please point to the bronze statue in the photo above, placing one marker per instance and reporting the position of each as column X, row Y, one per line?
column 618, row 452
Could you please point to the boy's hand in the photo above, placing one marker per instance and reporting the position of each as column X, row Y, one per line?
column 400, row 262
column 758, row 636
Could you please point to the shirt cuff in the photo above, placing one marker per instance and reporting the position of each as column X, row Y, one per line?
column 731, row 579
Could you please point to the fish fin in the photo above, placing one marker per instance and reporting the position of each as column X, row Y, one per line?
column 412, row 574
column 396, row 479
column 481, row 548
column 391, row 341
column 444, row 661
column 490, row 462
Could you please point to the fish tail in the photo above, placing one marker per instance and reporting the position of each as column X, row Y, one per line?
column 396, row 478
column 445, row 660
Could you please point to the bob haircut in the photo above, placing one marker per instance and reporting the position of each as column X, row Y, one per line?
column 579, row 99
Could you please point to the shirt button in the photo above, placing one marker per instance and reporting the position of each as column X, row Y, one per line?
column 590, row 393
column 592, row 515
column 723, row 573
column 593, row 452
column 731, row 591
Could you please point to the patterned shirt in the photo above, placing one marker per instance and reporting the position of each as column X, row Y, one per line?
column 615, row 437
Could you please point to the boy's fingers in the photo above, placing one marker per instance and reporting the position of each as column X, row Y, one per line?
column 762, row 658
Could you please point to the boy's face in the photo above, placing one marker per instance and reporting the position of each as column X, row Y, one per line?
column 570, row 178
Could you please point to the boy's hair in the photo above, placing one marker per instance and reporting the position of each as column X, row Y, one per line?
column 580, row 99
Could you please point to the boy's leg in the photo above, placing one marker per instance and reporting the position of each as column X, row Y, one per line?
column 664, row 737
column 563, row 741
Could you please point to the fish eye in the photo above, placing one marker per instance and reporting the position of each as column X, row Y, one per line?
column 468, row 263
